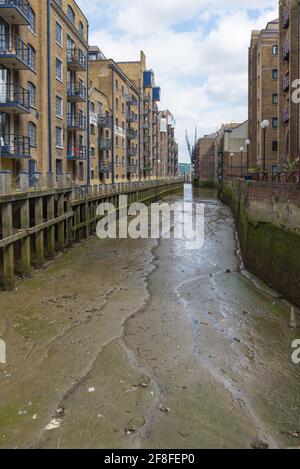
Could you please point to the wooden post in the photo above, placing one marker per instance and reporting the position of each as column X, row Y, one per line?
column 78, row 233
column 51, row 229
column 61, row 225
column 25, row 242
column 8, row 251
column 39, row 237
column 69, row 234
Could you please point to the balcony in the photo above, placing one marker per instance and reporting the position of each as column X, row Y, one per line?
column 104, row 167
column 76, row 92
column 286, row 83
column 132, row 134
column 132, row 169
column 15, row 11
column 286, row 51
column 76, row 121
column 104, row 144
column 77, row 153
column 156, row 94
column 14, row 146
column 104, row 121
column 14, row 99
column 130, row 99
column 14, row 53
column 286, row 18
column 131, row 117
column 77, row 60
column 132, row 151
column 286, row 115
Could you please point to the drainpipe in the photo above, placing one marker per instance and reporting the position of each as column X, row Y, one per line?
column 113, row 129
column 88, row 175
column 49, row 86
column 139, row 143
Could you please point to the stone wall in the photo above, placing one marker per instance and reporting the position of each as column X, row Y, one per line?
column 267, row 218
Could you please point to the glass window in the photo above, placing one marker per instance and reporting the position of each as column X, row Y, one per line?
column 275, row 98
column 59, row 106
column 31, row 56
column 275, row 122
column 31, row 18
column 275, row 74
column 58, row 32
column 32, row 134
column 81, row 28
column 32, row 94
column 59, row 137
column 71, row 14
column 59, row 69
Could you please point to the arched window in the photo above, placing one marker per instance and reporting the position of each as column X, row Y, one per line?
column 71, row 14
column 32, row 94
column 31, row 18
column 32, row 134
column 81, row 28
column 117, row 103
column 31, row 57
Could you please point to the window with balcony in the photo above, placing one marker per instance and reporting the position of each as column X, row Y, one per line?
column 32, row 134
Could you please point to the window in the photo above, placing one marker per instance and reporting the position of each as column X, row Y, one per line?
column 117, row 85
column 275, row 122
column 81, row 173
column 32, row 94
column 275, row 74
column 123, row 108
column 32, row 134
column 92, row 129
column 81, row 28
column 59, row 74
column 275, row 98
column 275, row 50
column 59, row 106
column 274, row 146
column 59, row 137
column 58, row 34
column 117, row 103
column 92, row 152
column 31, row 18
column 59, row 166
column 31, row 57
column 71, row 14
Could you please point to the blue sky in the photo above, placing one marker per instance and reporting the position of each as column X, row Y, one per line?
column 197, row 48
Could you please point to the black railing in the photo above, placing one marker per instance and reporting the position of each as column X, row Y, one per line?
column 77, row 153
column 77, row 90
column 104, row 143
column 14, row 146
column 77, row 57
column 11, row 46
column 14, row 94
column 104, row 121
column 21, row 5
column 76, row 121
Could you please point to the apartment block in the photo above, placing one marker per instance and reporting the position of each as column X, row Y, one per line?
column 229, row 159
column 43, row 54
column 264, row 97
column 205, row 164
column 123, row 99
column 289, row 73
column 167, row 145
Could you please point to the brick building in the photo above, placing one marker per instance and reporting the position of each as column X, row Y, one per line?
column 263, row 95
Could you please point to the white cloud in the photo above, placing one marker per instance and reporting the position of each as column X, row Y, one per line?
column 202, row 69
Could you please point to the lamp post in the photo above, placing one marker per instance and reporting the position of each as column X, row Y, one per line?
column 248, row 143
column 242, row 151
column 231, row 156
column 264, row 125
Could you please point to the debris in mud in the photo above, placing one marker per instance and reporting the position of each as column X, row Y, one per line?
column 61, row 412
column 165, row 410
column 129, row 431
column 237, row 340
column 259, row 444
column 53, row 425
column 228, row 271
column 91, row 390
column 184, row 434
column 294, row 434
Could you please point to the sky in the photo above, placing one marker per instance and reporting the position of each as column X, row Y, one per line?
column 198, row 50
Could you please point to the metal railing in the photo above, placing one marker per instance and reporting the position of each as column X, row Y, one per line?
column 76, row 121
column 76, row 90
column 104, row 143
column 21, row 5
column 12, row 46
column 77, row 153
column 13, row 93
column 104, row 121
column 77, row 57
column 14, row 146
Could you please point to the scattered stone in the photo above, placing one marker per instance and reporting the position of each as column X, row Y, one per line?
column 91, row 390
column 237, row 340
column 53, row 425
column 165, row 410
column 228, row 271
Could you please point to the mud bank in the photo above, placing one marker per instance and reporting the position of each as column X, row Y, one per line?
column 143, row 344
column 269, row 232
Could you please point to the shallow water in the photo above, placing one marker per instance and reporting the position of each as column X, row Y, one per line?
column 144, row 344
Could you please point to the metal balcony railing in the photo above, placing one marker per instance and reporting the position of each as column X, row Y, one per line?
column 14, row 52
column 130, row 99
column 285, row 82
column 104, row 167
column 286, row 115
column 15, row 11
column 131, row 134
column 131, row 117
column 286, row 18
column 77, row 59
column 76, row 121
column 104, row 121
column 104, row 143
column 286, row 51
column 14, row 97
column 77, row 153
column 131, row 169
column 14, row 146
column 76, row 91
